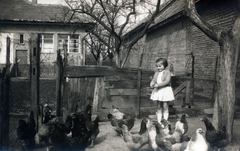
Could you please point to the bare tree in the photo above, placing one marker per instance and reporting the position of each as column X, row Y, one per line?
column 229, row 42
column 113, row 18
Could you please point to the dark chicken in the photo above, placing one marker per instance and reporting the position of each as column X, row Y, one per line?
column 54, row 133
column 136, row 141
column 26, row 131
column 84, row 130
column 80, row 134
column 215, row 138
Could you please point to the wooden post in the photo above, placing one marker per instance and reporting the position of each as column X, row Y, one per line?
column 59, row 83
column 139, row 91
column 5, row 104
column 187, row 94
column 35, row 74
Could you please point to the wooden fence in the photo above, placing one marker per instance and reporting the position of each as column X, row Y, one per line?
column 126, row 89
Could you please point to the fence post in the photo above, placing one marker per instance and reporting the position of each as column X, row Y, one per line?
column 34, row 75
column 59, row 83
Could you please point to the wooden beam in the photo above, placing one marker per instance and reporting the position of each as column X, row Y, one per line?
column 92, row 71
column 180, row 88
column 59, row 83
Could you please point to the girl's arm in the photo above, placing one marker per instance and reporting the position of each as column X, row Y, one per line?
column 154, row 80
column 166, row 81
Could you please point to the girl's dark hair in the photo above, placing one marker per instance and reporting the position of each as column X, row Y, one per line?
column 163, row 60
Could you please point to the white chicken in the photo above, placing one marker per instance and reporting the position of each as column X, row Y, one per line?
column 198, row 142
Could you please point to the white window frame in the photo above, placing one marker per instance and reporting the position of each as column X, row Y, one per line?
column 51, row 50
column 68, row 43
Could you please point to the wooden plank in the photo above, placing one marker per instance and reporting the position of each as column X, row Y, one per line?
column 94, row 71
column 96, row 94
column 123, row 91
column 139, row 92
column 121, row 102
column 187, row 93
column 180, row 88
column 123, row 84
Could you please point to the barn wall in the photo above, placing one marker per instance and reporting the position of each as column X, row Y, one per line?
column 177, row 39
column 220, row 14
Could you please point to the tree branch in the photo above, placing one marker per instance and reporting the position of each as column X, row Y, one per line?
column 147, row 24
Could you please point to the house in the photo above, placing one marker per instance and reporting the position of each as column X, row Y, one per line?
column 190, row 52
column 22, row 20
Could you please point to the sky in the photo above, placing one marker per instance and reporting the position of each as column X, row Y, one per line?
column 48, row 1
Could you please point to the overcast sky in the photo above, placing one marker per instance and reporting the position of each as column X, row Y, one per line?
column 48, row 1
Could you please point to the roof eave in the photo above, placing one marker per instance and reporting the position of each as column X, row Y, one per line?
column 89, row 25
column 168, row 20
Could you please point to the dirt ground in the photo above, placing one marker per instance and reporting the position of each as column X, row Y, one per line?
column 108, row 140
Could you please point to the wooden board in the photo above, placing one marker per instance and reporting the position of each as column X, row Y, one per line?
column 122, row 91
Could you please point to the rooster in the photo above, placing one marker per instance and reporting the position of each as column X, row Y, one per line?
column 136, row 141
column 26, row 131
column 215, row 138
column 197, row 143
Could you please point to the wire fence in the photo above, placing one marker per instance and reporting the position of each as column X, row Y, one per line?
column 20, row 96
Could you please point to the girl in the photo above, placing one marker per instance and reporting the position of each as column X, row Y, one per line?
column 162, row 92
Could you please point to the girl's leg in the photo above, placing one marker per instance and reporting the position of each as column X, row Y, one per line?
column 159, row 111
column 165, row 110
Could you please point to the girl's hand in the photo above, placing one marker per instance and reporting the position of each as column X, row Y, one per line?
column 155, row 85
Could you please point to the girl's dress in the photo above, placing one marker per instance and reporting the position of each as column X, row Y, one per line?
column 163, row 93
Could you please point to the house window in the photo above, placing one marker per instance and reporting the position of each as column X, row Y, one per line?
column 47, row 43
column 72, row 43
column 21, row 38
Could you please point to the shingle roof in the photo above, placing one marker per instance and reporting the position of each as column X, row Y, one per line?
column 174, row 7
column 26, row 11
column 167, row 10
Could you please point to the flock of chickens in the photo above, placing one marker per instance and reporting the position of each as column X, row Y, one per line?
column 160, row 136
column 79, row 131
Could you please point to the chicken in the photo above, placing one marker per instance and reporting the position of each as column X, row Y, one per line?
column 215, row 138
column 197, row 143
column 92, row 126
column 136, row 141
column 117, row 123
column 116, row 113
column 47, row 113
column 94, row 130
column 182, row 124
column 54, row 133
column 160, row 137
column 26, row 131
column 177, row 135
column 80, row 134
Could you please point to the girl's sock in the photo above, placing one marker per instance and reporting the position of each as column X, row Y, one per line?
column 165, row 116
column 159, row 116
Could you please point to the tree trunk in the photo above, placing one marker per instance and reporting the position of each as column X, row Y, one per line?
column 229, row 49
